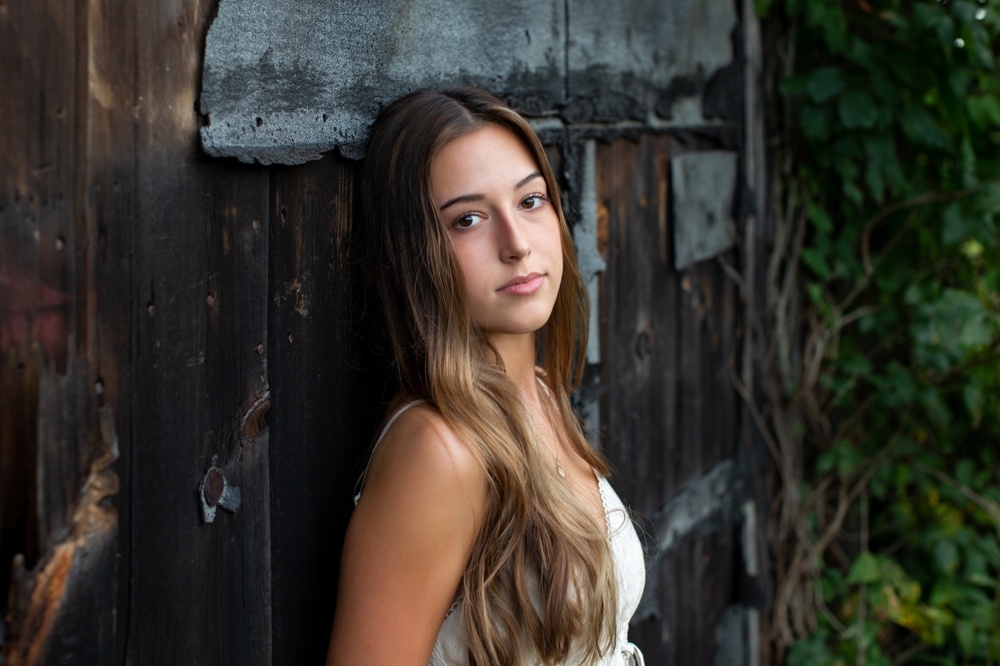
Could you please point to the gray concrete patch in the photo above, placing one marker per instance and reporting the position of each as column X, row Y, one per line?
column 703, row 185
column 284, row 82
column 628, row 58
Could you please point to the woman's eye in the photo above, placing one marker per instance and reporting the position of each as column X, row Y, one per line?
column 467, row 220
column 533, row 201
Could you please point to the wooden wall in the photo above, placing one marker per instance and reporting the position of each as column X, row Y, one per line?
column 670, row 413
column 205, row 306
column 163, row 313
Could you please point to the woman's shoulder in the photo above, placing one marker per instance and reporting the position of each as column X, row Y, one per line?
column 409, row 539
column 422, row 457
column 421, row 431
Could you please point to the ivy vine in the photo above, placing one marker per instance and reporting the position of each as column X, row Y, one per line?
column 884, row 405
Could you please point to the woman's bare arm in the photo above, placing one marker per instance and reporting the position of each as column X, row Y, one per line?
column 407, row 544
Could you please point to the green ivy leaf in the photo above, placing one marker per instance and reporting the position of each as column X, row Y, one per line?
column 857, row 109
column 883, row 164
column 946, row 556
column 856, row 364
column 813, row 651
column 815, row 291
column 881, row 480
column 984, row 111
column 824, row 84
column 936, row 409
column 959, row 79
column 977, row 333
column 954, row 227
column 988, row 198
column 820, row 218
column 815, row 259
column 964, row 471
column 816, row 122
column 982, row 580
column 875, row 182
column 866, row 569
column 965, row 632
column 826, row 462
column 921, row 128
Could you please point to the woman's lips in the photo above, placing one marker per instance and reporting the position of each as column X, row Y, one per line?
column 523, row 285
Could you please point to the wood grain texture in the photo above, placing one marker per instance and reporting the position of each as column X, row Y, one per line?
column 319, row 405
column 61, row 607
column 198, row 593
column 107, row 100
column 60, row 529
column 670, row 413
column 38, row 46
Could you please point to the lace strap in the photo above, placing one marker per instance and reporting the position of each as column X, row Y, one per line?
column 392, row 419
column 632, row 655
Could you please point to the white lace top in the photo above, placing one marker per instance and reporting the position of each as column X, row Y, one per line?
column 451, row 648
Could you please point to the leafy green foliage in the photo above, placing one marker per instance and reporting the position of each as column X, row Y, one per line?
column 896, row 177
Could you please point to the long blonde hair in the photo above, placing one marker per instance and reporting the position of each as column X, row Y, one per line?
column 532, row 523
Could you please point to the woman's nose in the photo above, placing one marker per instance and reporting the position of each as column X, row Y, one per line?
column 514, row 242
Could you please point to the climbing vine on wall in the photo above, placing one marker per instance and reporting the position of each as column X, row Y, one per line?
column 884, row 414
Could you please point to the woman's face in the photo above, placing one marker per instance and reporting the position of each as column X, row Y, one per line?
column 490, row 194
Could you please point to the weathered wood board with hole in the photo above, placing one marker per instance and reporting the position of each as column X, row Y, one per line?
column 185, row 392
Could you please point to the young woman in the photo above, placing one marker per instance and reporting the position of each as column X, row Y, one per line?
column 485, row 531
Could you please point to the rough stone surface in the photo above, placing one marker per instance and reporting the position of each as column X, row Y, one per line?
column 284, row 81
column 624, row 57
column 703, row 185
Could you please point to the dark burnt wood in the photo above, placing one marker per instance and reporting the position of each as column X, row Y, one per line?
column 316, row 399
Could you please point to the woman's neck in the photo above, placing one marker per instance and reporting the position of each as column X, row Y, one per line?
column 518, row 354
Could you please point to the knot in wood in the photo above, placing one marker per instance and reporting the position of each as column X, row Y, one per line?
column 253, row 423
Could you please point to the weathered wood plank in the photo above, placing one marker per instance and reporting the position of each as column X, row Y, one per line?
column 19, row 379
column 669, row 413
column 199, row 593
column 57, row 450
column 322, row 414
column 38, row 47
column 639, row 301
column 239, row 398
column 697, row 586
column 61, row 611
column 106, row 192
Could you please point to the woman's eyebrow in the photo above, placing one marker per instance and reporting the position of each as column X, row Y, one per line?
column 527, row 179
column 465, row 198
column 462, row 199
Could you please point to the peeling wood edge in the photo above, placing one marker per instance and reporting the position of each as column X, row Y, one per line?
column 40, row 596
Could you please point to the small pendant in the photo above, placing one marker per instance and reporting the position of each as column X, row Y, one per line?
column 559, row 468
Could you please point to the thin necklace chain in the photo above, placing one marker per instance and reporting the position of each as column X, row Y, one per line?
column 555, row 436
